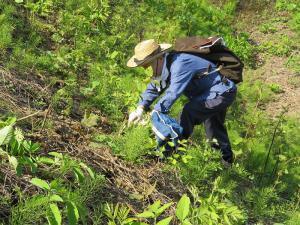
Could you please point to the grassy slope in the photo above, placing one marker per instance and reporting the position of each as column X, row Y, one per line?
column 276, row 40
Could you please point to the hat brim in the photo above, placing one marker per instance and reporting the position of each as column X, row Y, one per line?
column 132, row 62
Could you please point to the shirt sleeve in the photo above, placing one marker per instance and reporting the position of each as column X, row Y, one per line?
column 149, row 95
column 181, row 76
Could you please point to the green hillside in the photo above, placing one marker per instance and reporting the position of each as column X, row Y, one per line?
column 67, row 155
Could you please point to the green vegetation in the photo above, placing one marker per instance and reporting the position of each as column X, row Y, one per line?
column 78, row 49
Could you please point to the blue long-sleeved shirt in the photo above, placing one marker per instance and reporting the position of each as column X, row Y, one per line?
column 181, row 80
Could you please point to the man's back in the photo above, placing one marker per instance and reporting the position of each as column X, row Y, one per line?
column 202, row 86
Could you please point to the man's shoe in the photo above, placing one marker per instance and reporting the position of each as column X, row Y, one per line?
column 227, row 163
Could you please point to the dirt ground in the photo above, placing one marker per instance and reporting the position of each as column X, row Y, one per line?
column 126, row 182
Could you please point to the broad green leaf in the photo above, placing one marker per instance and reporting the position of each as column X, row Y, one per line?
column 155, row 206
column 33, row 167
column 114, row 54
column 171, row 144
column 79, row 174
column 176, row 156
column 35, row 147
column 16, row 148
column 95, row 84
column 46, row 160
column 19, row 1
column 6, row 133
column 146, row 214
column 72, row 212
column 237, row 141
column 56, row 154
column 56, row 198
column 19, row 169
column 165, row 221
column 13, row 161
column 163, row 208
column 26, row 144
column 11, row 121
column 31, row 147
column 181, row 149
column 83, row 213
column 40, row 183
column 50, row 219
column 56, row 213
column 128, row 220
column 88, row 169
column 173, row 161
column 90, row 120
column 183, row 207
column 186, row 222
column 226, row 219
column 184, row 160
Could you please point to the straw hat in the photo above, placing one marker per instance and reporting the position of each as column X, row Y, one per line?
column 146, row 52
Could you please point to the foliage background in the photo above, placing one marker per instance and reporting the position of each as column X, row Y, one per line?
column 81, row 47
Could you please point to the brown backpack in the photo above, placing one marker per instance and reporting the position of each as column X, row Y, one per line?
column 214, row 50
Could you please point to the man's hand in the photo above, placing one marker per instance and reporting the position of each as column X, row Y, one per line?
column 136, row 115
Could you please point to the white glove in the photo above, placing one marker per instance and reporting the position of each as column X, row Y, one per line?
column 136, row 115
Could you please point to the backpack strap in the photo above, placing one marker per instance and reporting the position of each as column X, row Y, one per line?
column 170, row 59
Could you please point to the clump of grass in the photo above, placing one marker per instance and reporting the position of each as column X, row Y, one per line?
column 132, row 145
column 293, row 63
column 204, row 163
column 280, row 47
column 276, row 88
column 267, row 28
column 30, row 211
column 135, row 143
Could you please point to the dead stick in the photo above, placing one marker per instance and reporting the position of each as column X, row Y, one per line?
column 271, row 144
column 31, row 115
column 45, row 117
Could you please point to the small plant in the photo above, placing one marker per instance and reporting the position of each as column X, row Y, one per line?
column 289, row 5
column 267, row 28
column 63, row 164
column 293, row 63
column 118, row 214
column 183, row 209
column 59, row 200
column 20, row 152
column 135, row 143
column 181, row 153
column 214, row 209
column 276, row 88
column 202, row 164
column 154, row 211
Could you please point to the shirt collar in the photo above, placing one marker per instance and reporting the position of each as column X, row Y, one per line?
column 164, row 72
column 161, row 81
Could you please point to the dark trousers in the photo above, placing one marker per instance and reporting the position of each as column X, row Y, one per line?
column 212, row 113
